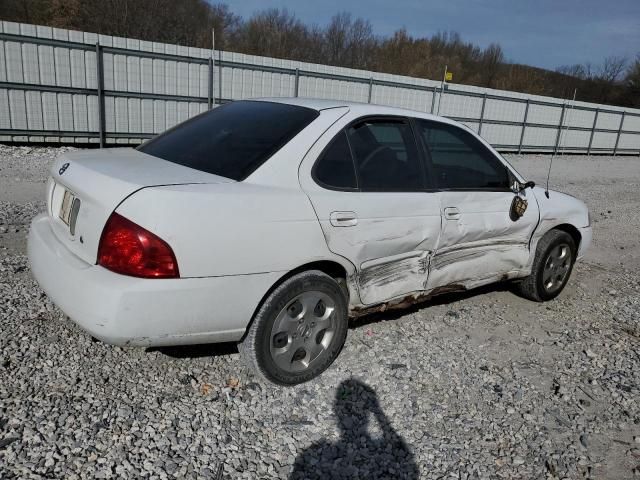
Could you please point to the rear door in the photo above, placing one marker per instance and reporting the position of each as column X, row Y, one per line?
column 369, row 191
column 480, row 240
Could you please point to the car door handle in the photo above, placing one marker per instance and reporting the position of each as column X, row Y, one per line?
column 343, row 219
column 451, row 213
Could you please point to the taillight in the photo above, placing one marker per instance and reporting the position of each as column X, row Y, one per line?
column 129, row 249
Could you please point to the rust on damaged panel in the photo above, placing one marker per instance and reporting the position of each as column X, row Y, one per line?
column 406, row 301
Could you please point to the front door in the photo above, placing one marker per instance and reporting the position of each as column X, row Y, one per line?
column 481, row 239
column 368, row 190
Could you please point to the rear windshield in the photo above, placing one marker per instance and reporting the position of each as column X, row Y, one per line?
column 232, row 140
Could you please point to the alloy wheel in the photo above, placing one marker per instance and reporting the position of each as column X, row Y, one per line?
column 302, row 331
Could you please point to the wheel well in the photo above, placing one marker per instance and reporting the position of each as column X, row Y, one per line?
column 571, row 230
column 333, row 269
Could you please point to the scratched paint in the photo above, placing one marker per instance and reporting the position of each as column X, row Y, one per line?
column 464, row 238
column 394, row 234
column 482, row 241
column 406, row 301
column 471, row 260
column 392, row 276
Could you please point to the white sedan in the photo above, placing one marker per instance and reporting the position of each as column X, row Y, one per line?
column 270, row 222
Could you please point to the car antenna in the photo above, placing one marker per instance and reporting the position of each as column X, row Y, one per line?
column 560, row 145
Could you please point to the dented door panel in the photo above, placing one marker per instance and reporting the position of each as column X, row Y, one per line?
column 390, row 244
column 390, row 276
column 482, row 242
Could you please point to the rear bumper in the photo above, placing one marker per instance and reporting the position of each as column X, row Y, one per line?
column 123, row 310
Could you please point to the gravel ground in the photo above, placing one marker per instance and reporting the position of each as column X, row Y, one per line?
column 480, row 385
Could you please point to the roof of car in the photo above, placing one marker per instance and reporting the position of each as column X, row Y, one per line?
column 366, row 108
column 315, row 103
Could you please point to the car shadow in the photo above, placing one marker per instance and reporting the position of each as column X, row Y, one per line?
column 197, row 351
column 357, row 453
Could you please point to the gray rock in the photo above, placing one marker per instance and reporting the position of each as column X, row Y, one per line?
column 474, row 385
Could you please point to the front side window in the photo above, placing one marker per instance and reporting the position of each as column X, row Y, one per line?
column 460, row 161
column 232, row 140
column 386, row 156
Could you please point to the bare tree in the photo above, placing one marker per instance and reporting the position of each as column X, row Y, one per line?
column 403, row 54
column 345, row 41
column 608, row 76
column 349, row 43
column 632, row 83
column 275, row 33
column 28, row 11
column 612, row 68
column 492, row 60
column 577, row 71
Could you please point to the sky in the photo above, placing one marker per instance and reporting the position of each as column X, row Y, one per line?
column 543, row 33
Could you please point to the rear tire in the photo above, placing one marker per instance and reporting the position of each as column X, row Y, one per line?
column 298, row 331
column 552, row 266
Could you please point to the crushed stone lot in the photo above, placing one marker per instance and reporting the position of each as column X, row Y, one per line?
column 481, row 385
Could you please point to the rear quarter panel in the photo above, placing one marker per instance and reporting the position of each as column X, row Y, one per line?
column 231, row 229
column 262, row 224
column 101, row 179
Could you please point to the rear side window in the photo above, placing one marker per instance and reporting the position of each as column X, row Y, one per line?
column 460, row 161
column 386, row 156
column 232, row 140
column 335, row 167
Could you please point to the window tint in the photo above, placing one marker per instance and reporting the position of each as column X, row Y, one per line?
column 386, row 156
column 335, row 167
column 460, row 161
column 232, row 140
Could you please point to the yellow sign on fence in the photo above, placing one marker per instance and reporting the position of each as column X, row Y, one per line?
column 449, row 76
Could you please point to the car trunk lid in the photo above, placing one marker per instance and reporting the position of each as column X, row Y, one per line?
column 85, row 187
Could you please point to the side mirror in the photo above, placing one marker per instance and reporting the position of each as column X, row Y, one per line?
column 518, row 187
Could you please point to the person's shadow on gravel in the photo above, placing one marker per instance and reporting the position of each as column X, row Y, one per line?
column 357, row 454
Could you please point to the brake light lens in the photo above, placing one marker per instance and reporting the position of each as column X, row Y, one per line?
column 129, row 249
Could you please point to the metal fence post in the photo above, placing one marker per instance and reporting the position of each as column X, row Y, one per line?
column 440, row 99
column 297, row 84
column 593, row 131
column 220, row 76
column 210, row 85
column 433, row 99
column 100, row 83
column 484, row 102
column 370, row 89
column 524, row 126
column 555, row 149
column 615, row 149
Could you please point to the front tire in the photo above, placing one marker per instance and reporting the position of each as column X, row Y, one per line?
column 552, row 266
column 299, row 329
